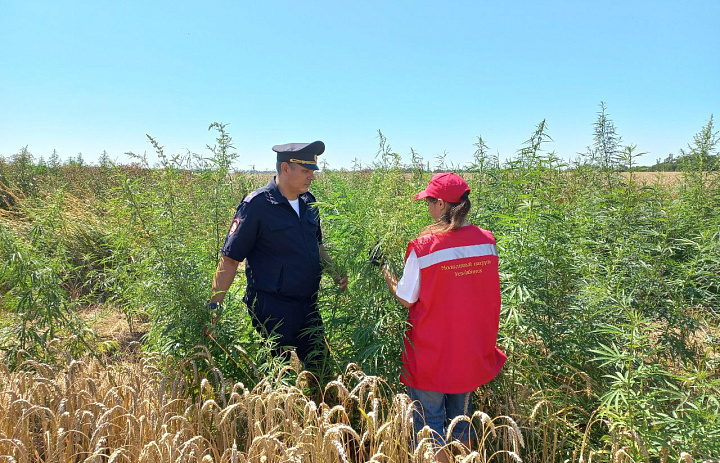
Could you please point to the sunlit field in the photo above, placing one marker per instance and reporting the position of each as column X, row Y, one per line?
column 610, row 285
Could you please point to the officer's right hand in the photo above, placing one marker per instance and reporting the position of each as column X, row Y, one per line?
column 214, row 310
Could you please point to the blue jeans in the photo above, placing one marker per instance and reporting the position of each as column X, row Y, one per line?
column 437, row 410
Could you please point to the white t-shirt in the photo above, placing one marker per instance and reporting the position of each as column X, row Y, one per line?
column 296, row 205
column 408, row 288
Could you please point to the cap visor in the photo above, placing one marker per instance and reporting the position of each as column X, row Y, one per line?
column 421, row 195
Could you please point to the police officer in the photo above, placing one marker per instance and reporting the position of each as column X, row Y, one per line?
column 277, row 231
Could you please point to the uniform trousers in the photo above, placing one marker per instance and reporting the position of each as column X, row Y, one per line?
column 290, row 322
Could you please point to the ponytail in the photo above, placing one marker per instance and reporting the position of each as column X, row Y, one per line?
column 453, row 218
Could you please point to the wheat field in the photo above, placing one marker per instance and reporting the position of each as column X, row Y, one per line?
column 134, row 411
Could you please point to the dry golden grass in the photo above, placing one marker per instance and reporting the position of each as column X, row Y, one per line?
column 656, row 178
column 136, row 412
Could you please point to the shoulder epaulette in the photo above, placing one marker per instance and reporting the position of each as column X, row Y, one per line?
column 248, row 197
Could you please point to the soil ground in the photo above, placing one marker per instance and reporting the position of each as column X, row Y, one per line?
column 111, row 325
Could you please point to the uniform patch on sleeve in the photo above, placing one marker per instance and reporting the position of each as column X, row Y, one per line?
column 234, row 225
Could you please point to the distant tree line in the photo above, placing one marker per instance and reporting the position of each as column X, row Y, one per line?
column 683, row 162
column 608, row 153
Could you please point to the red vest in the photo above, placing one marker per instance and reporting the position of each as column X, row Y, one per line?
column 450, row 345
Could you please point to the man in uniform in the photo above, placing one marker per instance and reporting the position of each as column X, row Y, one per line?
column 277, row 230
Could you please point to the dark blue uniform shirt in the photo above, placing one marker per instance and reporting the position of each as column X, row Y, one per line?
column 282, row 249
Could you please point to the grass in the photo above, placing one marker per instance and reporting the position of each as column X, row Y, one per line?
column 136, row 411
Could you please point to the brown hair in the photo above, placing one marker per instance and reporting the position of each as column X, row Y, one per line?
column 452, row 219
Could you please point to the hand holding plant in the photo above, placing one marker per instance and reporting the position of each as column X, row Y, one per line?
column 214, row 310
column 376, row 256
column 341, row 281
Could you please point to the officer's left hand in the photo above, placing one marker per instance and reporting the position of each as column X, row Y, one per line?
column 341, row 281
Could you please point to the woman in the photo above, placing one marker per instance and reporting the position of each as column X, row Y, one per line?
column 451, row 287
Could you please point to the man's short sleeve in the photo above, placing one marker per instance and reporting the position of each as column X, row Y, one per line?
column 243, row 232
column 408, row 288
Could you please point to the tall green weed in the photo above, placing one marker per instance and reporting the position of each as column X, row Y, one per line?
column 610, row 286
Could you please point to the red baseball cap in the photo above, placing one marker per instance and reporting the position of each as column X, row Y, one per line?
column 447, row 186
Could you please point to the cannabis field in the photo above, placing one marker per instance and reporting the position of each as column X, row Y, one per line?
column 611, row 307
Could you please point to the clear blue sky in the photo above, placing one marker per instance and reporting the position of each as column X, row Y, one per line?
column 82, row 76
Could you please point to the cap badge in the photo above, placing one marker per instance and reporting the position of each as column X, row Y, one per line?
column 303, row 161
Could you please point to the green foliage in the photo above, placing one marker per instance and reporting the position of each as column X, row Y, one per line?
column 169, row 225
column 365, row 325
column 36, row 311
column 701, row 156
column 610, row 286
